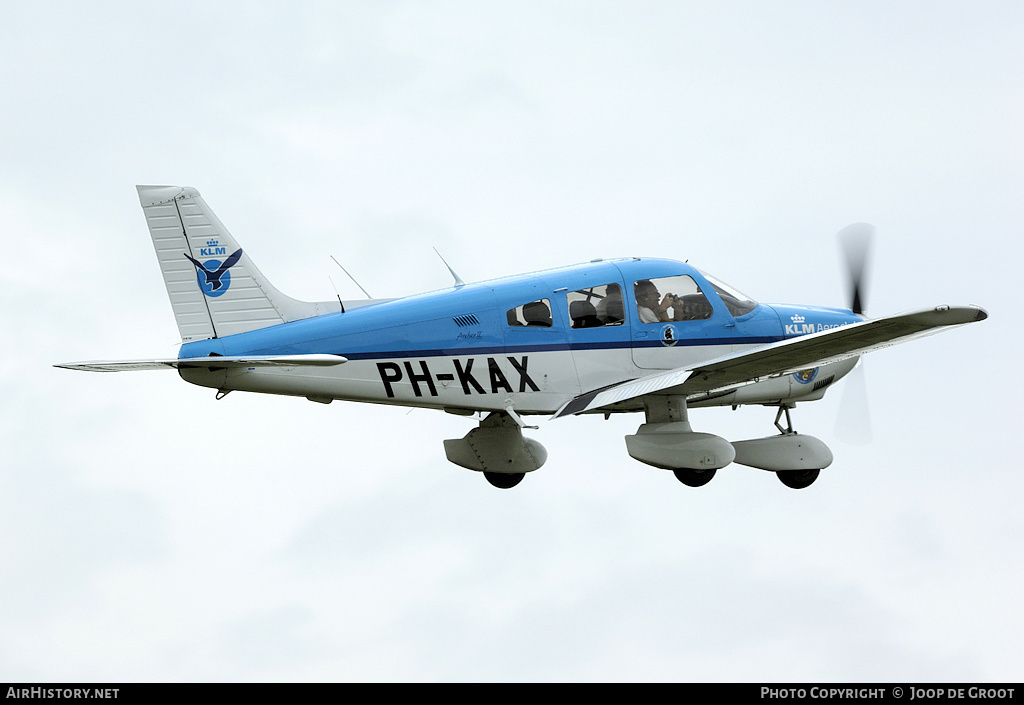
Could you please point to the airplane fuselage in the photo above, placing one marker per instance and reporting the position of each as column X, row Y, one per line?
column 530, row 342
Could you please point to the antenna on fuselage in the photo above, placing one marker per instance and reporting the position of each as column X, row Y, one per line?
column 458, row 279
column 352, row 278
column 336, row 293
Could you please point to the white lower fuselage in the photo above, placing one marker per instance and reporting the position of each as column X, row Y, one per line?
column 537, row 382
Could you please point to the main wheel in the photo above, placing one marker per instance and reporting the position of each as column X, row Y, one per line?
column 797, row 479
column 694, row 478
column 504, row 480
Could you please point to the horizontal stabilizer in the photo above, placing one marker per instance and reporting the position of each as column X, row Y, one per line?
column 781, row 358
column 215, row 361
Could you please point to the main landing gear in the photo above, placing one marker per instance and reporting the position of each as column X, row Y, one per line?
column 504, row 480
column 667, row 441
column 498, row 449
column 694, row 478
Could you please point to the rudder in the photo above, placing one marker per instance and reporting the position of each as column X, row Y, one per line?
column 214, row 287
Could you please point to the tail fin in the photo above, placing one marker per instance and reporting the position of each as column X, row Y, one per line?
column 215, row 289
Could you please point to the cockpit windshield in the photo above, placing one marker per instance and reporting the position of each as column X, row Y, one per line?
column 737, row 303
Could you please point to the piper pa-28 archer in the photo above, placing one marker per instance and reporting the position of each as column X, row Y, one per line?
column 608, row 336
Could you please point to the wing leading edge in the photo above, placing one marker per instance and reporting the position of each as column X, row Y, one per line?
column 784, row 357
column 214, row 361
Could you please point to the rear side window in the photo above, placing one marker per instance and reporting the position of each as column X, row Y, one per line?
column 596, row 306
column 535, row 313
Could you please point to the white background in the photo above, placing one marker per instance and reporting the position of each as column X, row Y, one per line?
column 151, row 533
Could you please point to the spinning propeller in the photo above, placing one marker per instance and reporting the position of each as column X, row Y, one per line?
column 856, row 243
column 853, row 422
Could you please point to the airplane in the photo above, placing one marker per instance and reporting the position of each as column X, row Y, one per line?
column 608, row 336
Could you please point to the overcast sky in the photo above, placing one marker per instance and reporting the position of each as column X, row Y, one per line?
column 151, row 533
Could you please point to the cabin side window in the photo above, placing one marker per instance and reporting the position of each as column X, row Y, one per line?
column 596, row 306
column 670, row 299
column 535, row 313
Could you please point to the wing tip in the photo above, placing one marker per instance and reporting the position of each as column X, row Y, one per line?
column 946, row 315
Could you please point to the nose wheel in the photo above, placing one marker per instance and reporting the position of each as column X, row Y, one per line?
column 797, row 479
column 794, row 479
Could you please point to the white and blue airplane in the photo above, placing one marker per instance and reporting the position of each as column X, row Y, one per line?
column 610, row 336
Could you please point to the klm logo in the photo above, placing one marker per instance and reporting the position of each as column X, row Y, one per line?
column 799, row 326
column 213, row 276
column 212, row 248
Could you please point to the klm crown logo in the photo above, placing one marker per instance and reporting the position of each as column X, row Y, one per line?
column 799, row 326
column 212, row 249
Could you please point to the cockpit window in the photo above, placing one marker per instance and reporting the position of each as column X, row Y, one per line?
column 670, row 299
column 737, row 303
column 536, row 313
column 596, row 306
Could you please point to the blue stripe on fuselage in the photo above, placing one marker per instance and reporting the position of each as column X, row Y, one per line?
column 509, row 349
column 435, row 324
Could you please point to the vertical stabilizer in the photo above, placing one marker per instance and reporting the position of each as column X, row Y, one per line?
column 214, row 287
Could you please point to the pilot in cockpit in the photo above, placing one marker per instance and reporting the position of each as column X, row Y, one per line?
column 648, row 306
column 654, row 308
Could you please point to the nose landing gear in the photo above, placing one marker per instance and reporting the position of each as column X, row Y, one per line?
column 796, row 459
column 797, row 479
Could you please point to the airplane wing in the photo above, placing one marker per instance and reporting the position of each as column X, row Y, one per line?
column 212, row 361
column 781, row 358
